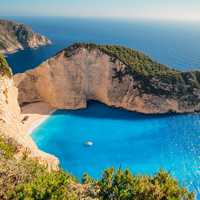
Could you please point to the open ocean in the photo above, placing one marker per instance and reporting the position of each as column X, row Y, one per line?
column 173, row 44
column 145, row 144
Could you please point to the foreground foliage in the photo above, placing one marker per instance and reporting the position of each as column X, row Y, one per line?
column 124, row 186
column 26, row 179
column 55, row 185
column 4, row 67
column 7, row 147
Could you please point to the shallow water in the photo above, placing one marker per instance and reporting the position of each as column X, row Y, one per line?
column 142, row 143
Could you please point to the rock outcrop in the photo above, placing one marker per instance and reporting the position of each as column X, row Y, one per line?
column 15, row 36
column 11, row 121
column 113, row 75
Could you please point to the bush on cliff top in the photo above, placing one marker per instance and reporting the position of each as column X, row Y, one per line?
column 4, row 67
column 123, row 185
column 136, row 60
column 140, row 66
column 7, row 147
column 54, row 185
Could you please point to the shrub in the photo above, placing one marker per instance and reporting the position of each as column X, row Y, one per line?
column 54, row 185
column 4, row 67
column 87, row 179
column 7, row 147
column 122, row 185
column 143, row 69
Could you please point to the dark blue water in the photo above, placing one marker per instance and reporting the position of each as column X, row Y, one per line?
column 174, row 44
column 142, row 143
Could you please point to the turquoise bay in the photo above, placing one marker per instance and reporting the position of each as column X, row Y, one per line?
column 142, row 143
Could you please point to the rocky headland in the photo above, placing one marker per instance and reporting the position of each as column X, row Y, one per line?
column 114, row 75
column 15, row 36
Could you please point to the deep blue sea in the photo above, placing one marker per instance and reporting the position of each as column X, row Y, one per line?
column 145, row 144
column 171, row 43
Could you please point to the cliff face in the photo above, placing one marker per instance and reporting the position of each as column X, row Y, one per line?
column 11, row 119
column 9, row 108
column 14, row 36
column 90, row 72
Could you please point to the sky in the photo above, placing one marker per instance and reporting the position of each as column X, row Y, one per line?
column 151, row 9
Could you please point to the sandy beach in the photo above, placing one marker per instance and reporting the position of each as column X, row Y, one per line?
column 34, row 114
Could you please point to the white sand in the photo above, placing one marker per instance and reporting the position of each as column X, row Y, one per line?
column 36, row 113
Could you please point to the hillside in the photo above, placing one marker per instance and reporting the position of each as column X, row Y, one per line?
column 15, row 36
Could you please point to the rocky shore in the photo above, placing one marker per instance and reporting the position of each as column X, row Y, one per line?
column 15, row 36
column 12, row 123
column 113, row 75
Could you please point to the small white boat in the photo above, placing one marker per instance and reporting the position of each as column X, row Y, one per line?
column 88, row 143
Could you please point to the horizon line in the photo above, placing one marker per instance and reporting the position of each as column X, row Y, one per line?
column 106, row 17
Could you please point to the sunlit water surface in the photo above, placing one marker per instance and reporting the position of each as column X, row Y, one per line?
column 144, row 144
column 176, row 44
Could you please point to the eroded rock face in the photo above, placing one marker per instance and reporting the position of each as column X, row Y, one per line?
column 11, row 120
column 9, row 108
column 69, row 80
column 14, row 36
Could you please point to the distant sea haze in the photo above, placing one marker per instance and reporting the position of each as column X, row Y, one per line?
column 174, row 44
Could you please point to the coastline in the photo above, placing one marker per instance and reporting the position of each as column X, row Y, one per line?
column 24, row 122
column 35, row 114
column 8, row 52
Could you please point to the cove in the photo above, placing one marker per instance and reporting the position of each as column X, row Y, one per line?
column 143, row 143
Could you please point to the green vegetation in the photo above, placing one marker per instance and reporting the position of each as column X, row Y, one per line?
column 7, row 148
column 4, row 67
column 152, row 77
column 136, row 60
column 124, row 186
column 55, row 185
column 26, row 179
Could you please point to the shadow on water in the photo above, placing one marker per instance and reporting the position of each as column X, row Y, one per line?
column 96, row 109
